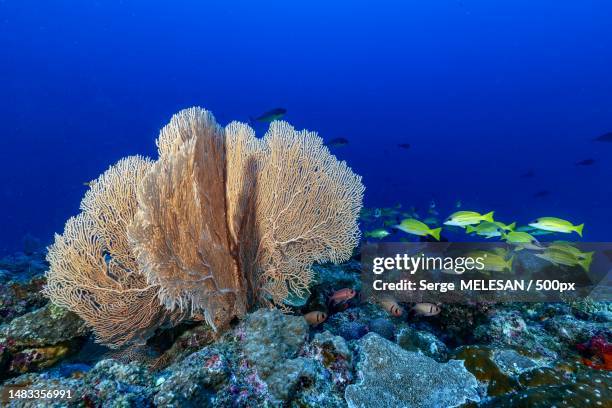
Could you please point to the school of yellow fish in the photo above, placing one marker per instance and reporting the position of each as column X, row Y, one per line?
column 559, row 253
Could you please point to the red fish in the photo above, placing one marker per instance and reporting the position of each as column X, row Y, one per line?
column 342, row 295
column 392, row 307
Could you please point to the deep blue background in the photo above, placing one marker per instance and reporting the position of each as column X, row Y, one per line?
column 482, row 90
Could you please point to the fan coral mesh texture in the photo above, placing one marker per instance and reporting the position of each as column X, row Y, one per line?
column 93, row 271
column 244, row 152
column 307, row 205
column 180, row 231
column 220, row 222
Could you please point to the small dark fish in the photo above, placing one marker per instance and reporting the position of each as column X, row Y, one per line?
column 271, row 115
column 606, row 137
column 528, row 174
column 337, row 142
column 404, row 146
column 585, row 162
column 542, row 194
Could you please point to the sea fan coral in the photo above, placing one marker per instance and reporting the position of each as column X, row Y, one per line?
column 307, row 204
column 221, row 222
column 180, row 233
column 93, row 271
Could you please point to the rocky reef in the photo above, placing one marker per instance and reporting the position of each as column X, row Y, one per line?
column 20, row 284
column 473, row 356
column 392, row 377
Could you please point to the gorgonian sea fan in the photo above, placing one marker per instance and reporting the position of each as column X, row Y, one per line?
column 92, row 269
column 221, row 222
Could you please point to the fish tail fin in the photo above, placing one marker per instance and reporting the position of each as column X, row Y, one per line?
column 509, row 263
column 488, row 216
column 586, row 262
column 469, row 229
column 512, row 226
column 436, row 233
column 578, row 229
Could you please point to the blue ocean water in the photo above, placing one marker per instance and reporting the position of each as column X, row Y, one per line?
column 483, row 92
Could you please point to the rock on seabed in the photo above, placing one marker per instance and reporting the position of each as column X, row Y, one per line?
column 272, row 337
column 390, row 376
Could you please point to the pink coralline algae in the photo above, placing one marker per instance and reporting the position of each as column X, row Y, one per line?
column 597, row 353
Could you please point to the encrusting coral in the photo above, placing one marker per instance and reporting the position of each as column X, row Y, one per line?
column 221, row 222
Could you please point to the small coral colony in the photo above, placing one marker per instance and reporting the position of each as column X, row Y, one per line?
column 223, row 222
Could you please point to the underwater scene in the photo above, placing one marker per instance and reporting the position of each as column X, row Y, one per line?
column 306, row 204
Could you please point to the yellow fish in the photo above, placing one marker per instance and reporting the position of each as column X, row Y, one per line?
column 485, row 229
column 493, row 261
column 416, row 227
column 559, row 257
column 496, row 263
column 521, row 239
column 569, row 248
column 464, row 218
column 556, row 225
column 505, row 227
